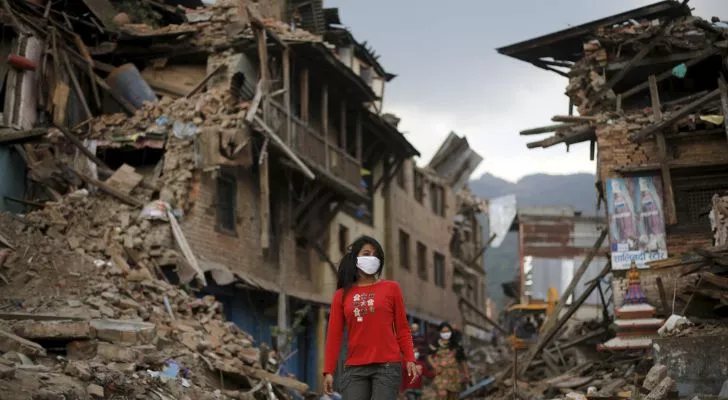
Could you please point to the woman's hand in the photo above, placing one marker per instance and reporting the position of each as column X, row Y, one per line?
column 412, row 371
column 329, row 384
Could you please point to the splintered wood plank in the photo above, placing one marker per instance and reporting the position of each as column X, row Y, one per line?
column 103, row 10
column 670, row 211
column 724, row 103
column 264, row 202
column 675, row 116
column 125, row 179
column 668, row 73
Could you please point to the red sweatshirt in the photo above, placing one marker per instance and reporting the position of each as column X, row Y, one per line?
column 375, row 318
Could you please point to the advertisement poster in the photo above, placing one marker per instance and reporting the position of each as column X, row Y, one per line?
column 636, row 221
column 501, row 213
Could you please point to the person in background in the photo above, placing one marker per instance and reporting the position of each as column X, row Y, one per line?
column 372, row 312
column 412, row 390
column 447, row 357
column 418, row 339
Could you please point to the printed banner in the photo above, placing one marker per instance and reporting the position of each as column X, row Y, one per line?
column 501, row 213
column 636, row 221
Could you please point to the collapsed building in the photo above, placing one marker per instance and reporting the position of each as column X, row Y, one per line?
column 251, row 131
column 185, row 171
column 649, row 87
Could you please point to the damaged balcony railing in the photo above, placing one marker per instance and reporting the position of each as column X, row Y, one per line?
column 312, row 146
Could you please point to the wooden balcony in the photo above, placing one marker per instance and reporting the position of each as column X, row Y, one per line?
column 313, row 148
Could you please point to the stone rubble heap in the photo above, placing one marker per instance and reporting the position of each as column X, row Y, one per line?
column 586, row 81
column 86, row 309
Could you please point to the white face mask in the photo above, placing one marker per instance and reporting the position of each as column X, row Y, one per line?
column 446, row 335
column 368, row 264
column 417, row 355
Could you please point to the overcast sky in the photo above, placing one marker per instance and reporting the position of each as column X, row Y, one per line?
column 450, row 78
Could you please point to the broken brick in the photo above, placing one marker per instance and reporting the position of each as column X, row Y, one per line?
column 95, row 391
column 124, row 332
column 112, row 352
column 81, row 349
column 78, row 369
column 39, row 330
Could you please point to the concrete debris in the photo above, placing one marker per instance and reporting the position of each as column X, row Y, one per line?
column 674, row 324
column 662, row 390
column 95, row 391
column 118, row 324
column 654, row 377
column 724, row 390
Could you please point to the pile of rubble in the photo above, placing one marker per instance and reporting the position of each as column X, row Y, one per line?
column 110, row 323
column 588, row 88
column 689, row 33
column 706, row 270
column 106, row 321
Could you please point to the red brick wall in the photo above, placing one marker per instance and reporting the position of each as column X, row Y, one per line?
column 617, row 151
column 241, row 253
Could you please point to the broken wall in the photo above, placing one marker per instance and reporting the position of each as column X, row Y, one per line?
column 617, row 152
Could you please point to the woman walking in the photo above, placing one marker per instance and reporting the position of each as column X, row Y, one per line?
column 373, row 314
column 447, row 358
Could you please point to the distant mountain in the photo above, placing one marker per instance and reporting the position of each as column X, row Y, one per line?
column 542, row 190
column 576, row 190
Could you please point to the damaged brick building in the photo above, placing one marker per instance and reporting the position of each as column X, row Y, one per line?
column 649, row 86
column 257, row 125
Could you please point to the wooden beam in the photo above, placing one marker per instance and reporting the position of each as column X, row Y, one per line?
column 132, row 201
column 204, row 81
column 630, row 64
column 546, row 129
column 551, row 320
column 287, row 94
column 359, row 128
column 481, row 314
column 592, row 149
column 264, row 199
column 480, row 252
column 670, row 211
column 14, row 136
column 385, row 181
column 80, row 146
column 325, row 122
column 724, row 102
column 574, row 118
column 306, row 202
column 304, row 95
column 663, row 296
column 674, row 117
column 342, row 129
column 618, row 108
column 287, row 150
column 672, row 59
column 255, row 104
column 548, row 335
column 550, row 68
column 76, row 85
column 578, row 135
column 668, row 73
column 314, row 210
